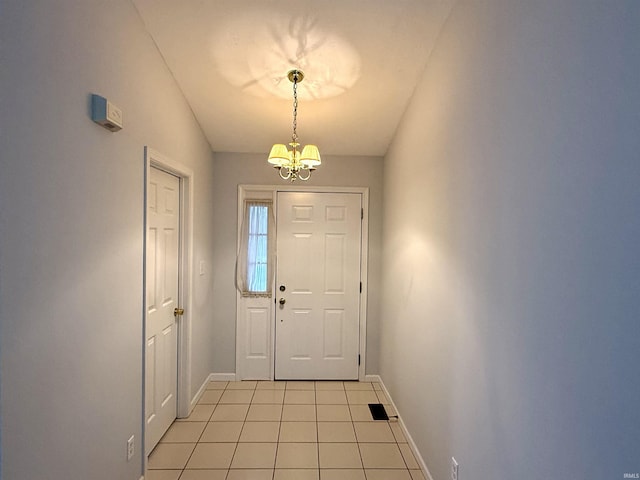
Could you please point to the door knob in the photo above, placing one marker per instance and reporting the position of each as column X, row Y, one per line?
column 177, row 312
column 282, row 301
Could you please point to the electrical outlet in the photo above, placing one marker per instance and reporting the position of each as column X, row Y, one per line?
column 131, row 447
column 454, row 469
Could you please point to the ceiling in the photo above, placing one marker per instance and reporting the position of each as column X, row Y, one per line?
column 361, row 60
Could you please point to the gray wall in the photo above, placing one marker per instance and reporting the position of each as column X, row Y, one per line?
column 71, row 231
column 511, row 271
column 233, row 169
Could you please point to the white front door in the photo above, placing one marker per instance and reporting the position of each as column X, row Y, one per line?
column 162, row 253
column 318, row 285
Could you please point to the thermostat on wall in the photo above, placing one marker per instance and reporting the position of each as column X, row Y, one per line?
column 105, row 113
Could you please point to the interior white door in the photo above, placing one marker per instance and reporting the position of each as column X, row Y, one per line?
column 318, row 285
column 162, row 270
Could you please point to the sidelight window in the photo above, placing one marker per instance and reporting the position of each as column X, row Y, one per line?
column 254, row 269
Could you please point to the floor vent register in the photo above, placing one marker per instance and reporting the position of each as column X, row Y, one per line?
column 378, row 412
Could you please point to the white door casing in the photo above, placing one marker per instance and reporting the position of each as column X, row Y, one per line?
column 162, row 294
column 318, row 264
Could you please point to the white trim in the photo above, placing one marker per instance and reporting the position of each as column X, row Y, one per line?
column 196, row 397
column 222, row 377
column 412, row 444
column 212, row 377
column 373, row 379
column 265, row 193
column 364, row 256
column 187, row 180
column 364, row 278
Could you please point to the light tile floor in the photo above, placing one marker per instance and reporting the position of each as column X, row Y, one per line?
column 285, row 431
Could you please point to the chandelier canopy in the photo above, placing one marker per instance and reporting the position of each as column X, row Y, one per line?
column 293, row 164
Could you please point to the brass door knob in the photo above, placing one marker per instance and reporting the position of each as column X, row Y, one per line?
column 177, row 312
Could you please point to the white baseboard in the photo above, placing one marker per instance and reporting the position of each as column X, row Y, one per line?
column 372, row 378
column 412, row 444
column 222, row 377
column 198, row 394
column 225, row 377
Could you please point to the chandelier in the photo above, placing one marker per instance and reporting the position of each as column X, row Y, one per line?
column 292, row 164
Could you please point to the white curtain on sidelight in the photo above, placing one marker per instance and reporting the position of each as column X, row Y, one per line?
column 255, row 261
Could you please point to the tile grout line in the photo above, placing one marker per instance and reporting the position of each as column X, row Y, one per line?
column 238, row 440
column 317, row 429
column 198, row 441
column 275, row 459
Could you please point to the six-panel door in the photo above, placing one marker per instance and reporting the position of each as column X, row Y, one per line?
column 318, row 265
column 161, row 350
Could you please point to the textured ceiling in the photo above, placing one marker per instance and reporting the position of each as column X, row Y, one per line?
column 361, row 59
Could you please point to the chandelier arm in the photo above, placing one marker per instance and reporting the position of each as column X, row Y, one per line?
column 308, row 174
column 287, row 176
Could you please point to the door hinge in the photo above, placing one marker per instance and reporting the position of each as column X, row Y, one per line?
column 362, row 214
column 358, row 359
column 360, row 287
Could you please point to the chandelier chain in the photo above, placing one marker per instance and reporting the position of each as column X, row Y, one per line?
column 294, row 137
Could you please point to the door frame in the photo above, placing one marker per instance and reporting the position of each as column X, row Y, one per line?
column 153, row 158
column 244, row 192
